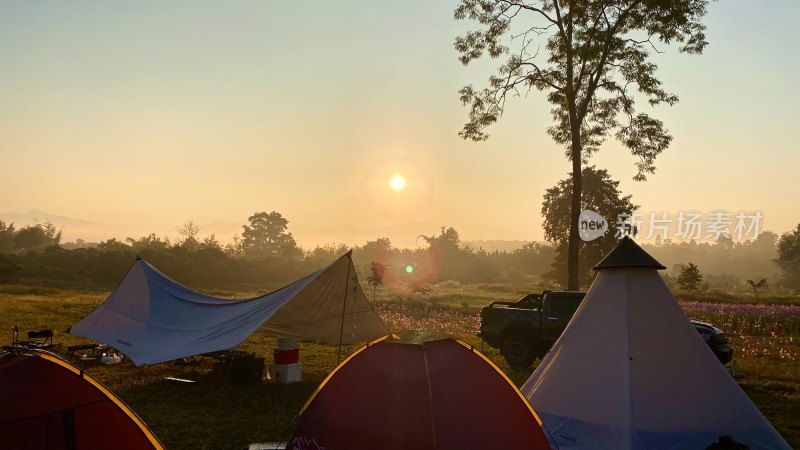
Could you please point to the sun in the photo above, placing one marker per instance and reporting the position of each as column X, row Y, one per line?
column 398, row 183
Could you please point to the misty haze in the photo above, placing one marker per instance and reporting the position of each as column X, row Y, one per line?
column 395, row 225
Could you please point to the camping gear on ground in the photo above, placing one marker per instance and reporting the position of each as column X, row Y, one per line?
column 37, row 339
column 286, row 373
column 240, row 367
column 95, row 352
column 287, row 343
column 727, row 443
column 153, row 319
column 287, row 351
column 631, row 372
column 180, row 380
column 82, row 348
column 49, row 403
column 111, row 356
column 286, row 358
column 417, row 391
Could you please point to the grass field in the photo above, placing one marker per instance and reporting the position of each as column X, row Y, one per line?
column 215, row 414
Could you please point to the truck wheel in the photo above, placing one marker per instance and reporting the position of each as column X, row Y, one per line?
column 518, row 350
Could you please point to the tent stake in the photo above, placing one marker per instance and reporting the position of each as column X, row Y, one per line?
column 344, row 307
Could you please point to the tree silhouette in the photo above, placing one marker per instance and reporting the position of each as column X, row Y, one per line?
column 591, row 58
column 37, row 237
column 188, row 232
column 789, row 258
column 601, row 195
column 445, row 254
column 377, row 272
column 6, row 237
column 761, row 284
column 267, row 236
column 690, row 277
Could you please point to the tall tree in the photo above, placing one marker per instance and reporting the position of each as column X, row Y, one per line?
column 267, row 236
column 593, row 66
column 601, row 195
column 789, row 258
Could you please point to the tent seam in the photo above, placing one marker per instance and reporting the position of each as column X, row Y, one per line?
column 430, row 393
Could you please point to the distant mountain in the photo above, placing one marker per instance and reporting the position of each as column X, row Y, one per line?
column 72, row 228
column 38, row 216
column 402, row 235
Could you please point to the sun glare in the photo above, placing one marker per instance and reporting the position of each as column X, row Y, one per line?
column 397, row 183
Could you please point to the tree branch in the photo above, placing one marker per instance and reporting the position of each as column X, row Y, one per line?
column 541, row 76
column 598, row 72
column 531, row 8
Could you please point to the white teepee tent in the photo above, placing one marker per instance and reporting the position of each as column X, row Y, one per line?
column 630, row 372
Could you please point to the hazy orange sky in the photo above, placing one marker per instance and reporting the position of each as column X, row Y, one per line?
column 139, row 115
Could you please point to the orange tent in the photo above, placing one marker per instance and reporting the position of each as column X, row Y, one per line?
column 50, row 404
column 402, row 393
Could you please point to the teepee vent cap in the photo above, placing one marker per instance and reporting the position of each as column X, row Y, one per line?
column 628, row 254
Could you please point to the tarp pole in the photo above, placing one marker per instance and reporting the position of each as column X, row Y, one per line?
column 344, row 306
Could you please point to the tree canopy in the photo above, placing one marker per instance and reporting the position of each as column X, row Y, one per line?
column 7, row 233
column 267, row 236
column 601, row 194
column 36, row 237
column 789, row 258
column 592, row 59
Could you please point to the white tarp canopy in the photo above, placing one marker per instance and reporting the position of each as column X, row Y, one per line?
column 631, row 372
column 153, row 319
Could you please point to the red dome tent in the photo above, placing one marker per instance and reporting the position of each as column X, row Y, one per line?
column 50, row 404
column 408, row 393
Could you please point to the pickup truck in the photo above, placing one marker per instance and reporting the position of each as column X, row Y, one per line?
column 527, row 328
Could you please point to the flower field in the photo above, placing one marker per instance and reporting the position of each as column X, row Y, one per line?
column 755, row 331
column 456, row 322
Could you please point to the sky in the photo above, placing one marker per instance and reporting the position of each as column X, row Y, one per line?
column 133, row 117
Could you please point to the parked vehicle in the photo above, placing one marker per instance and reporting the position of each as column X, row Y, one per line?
column 716, row 339
column 527, row 328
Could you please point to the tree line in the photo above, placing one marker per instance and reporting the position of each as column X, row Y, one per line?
column 266, row 256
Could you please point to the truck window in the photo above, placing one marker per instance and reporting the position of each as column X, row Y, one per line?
column 565, row 306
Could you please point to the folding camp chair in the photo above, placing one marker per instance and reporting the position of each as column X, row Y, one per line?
column 38, row 339
column 41, row 339
column 15, row 342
